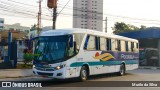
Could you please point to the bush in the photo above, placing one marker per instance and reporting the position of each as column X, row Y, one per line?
column 28, row 58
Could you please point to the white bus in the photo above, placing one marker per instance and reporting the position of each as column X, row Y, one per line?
column 70, row 53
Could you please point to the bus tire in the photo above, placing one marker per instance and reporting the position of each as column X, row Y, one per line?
column 122, row 70
column 83, row 74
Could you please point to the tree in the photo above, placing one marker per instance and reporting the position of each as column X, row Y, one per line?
column 143, row 27
column 28, row 58
column 120, row 27
column 33, row 27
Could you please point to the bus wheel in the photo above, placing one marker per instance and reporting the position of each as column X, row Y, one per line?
column 122, row 70
column 83, row 74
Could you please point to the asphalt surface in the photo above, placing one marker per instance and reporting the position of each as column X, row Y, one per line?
column 103, row 82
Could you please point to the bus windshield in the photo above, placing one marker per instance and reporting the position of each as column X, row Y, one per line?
column 51, row 49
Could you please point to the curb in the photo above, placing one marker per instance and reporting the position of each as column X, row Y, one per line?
column 1, row 77
column 149, row 68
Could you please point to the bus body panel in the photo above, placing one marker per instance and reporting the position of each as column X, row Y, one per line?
column 98, row 61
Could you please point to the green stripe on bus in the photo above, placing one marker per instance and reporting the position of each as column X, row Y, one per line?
column 78, row 64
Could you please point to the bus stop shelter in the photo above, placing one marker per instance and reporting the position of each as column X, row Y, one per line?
column 149, row 39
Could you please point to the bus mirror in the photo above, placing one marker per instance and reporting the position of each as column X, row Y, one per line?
column 71, row 41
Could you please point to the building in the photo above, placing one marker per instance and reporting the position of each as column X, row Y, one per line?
column 32, row 34
column 149, row 44
column 1, row 23
column 17, row 36
column 88, row 14
column 17, row 27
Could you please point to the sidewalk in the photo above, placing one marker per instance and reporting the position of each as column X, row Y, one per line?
column 148, row 67
column 15, row 73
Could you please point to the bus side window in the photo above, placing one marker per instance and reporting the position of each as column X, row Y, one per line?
column 97, row 41
column 135, row 49
column 132, row 46
column 114, row 44
column 103, row 43
column 86, row 42
column 108, row 44
column 119, row 45
column 137, row 45
column 90, row 43
column 123, row 46
column 126, row 44
column 129, row 46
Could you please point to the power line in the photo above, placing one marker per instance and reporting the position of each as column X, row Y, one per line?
column 80, row 9
column 18, row 12
column 25, row 4
column 78, row 16
column 91, row 11
column 64, row 7
column 13, row 7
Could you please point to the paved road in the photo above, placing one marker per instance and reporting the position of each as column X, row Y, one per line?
column 135, row 75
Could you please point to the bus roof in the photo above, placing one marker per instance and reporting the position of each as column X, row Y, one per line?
column 85, row 31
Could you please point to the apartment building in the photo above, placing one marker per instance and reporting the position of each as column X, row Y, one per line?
column 88, row 14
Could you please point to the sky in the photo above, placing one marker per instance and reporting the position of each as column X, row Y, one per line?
column 135, row 12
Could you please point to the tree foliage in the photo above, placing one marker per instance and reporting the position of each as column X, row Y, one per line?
column 121, row 27
column 28, row 57
column 33, row 27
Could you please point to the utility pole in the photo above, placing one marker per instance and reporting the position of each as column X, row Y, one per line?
column 54, row 18
column 105, row 25
column 39, row 18
column 53, row 5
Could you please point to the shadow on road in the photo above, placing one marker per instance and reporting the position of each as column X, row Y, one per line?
column 74, row 82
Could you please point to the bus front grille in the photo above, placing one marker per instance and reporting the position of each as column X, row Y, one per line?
column 46, row 74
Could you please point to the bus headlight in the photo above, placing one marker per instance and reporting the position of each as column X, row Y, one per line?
column 60, row 67
column 33, row 66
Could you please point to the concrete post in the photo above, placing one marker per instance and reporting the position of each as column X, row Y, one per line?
column 9, row 47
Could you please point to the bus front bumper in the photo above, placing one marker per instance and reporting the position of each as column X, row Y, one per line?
column 58, row 74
